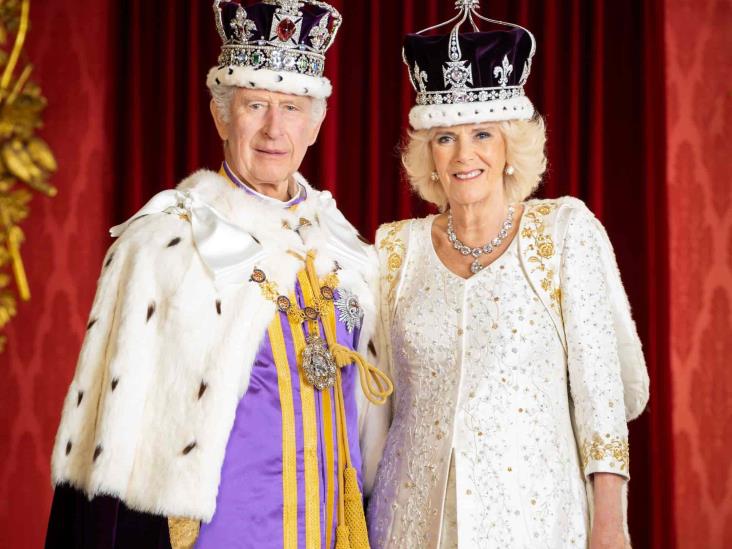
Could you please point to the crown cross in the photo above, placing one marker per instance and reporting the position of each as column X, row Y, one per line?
column 503, row 72
column 467, row 4
column 286, row 26
column 457, row 74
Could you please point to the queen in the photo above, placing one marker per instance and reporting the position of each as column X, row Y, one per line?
column 505, row 324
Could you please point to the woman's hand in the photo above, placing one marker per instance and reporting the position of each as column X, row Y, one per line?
column 607, row 527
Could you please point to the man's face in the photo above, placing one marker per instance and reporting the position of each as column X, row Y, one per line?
column 267, row 136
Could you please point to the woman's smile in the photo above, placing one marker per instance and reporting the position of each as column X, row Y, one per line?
column 469, row 175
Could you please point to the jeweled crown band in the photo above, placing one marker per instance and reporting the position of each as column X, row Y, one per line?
column 273, row 58
column 472, row 95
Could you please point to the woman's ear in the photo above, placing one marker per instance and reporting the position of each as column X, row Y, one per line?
column 221, row 126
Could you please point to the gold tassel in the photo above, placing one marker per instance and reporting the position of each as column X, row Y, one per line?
column 183, row 532
column 355, row 516
column 351, row 532
column 342, row 537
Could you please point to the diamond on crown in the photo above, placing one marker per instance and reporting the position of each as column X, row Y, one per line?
column 503, row 72
column 458, row 74
column 287, row 7
column 467, row 4
column 242, row 28
column 319, row 34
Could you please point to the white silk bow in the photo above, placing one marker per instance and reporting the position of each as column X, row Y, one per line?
column 229, row 252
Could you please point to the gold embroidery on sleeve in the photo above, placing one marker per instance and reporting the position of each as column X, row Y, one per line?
column 614, row 448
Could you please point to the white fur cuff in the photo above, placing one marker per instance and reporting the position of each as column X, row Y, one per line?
column 424, row 117
column 267, row 79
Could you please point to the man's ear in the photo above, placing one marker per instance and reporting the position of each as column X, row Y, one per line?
column 221, row 126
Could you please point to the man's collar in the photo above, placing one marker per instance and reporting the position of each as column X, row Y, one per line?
column 298, row 193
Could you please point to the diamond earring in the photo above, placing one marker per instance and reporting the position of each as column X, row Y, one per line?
column 435, row 177
column 510, row 170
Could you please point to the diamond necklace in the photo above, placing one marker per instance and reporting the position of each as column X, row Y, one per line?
column 476, row 266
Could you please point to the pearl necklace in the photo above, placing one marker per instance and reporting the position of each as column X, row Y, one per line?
column 476, row 266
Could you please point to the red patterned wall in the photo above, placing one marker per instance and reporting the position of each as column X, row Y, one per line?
column 62, row 253
column 699, row 90
column 64, row 249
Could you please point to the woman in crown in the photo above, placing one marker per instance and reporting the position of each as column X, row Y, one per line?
column 505, row 325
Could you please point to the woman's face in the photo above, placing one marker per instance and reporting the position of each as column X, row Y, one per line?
column 267, row 135
column 469, row 160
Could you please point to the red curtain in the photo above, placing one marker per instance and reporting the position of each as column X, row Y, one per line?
column 597, row 78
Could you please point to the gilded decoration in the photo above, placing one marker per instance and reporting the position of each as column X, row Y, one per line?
column 541, row 249
column 296, row 315
column 26, row 162
column 183, row 532
column 599, row 449
column 395, row 249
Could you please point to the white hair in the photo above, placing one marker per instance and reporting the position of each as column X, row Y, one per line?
column 223, row 95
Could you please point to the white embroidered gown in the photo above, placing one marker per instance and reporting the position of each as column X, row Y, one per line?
column 483, row 382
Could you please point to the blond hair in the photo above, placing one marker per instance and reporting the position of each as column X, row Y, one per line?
column 525, row 142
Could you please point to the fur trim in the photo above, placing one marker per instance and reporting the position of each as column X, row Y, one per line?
column 424, row 117
column 137, row 422
column 267, row 79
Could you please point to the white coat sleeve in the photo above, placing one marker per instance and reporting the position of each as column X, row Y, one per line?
column 592, row 345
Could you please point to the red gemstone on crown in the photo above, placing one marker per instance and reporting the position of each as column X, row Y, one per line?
column 286, row 29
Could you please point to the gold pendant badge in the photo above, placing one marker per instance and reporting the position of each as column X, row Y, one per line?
column 318, row 364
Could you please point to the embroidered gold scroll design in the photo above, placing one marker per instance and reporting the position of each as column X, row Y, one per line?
column 609, row 448
column 541, row 249
column 395, row 250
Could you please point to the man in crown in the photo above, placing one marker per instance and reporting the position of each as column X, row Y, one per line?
column 221, row 391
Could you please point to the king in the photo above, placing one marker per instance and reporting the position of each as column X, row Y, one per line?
column 224, row 395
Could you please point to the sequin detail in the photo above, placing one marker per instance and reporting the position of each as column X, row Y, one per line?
column 481, row 372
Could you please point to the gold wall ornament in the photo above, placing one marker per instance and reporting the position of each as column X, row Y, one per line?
column 26, row 161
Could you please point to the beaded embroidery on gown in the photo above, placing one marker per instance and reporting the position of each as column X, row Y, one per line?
column 479, row 371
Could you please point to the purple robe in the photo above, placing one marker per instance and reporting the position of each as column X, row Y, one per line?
column 249, row 506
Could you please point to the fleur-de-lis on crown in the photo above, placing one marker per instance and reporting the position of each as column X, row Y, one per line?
column 503, row 72
column 420, row 77
column 242, row 28
column 320, row 34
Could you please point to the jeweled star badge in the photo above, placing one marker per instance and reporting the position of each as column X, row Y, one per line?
column 349, row 310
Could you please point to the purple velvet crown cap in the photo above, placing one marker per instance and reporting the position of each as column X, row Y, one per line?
column 262, row 15
column 484, row 50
